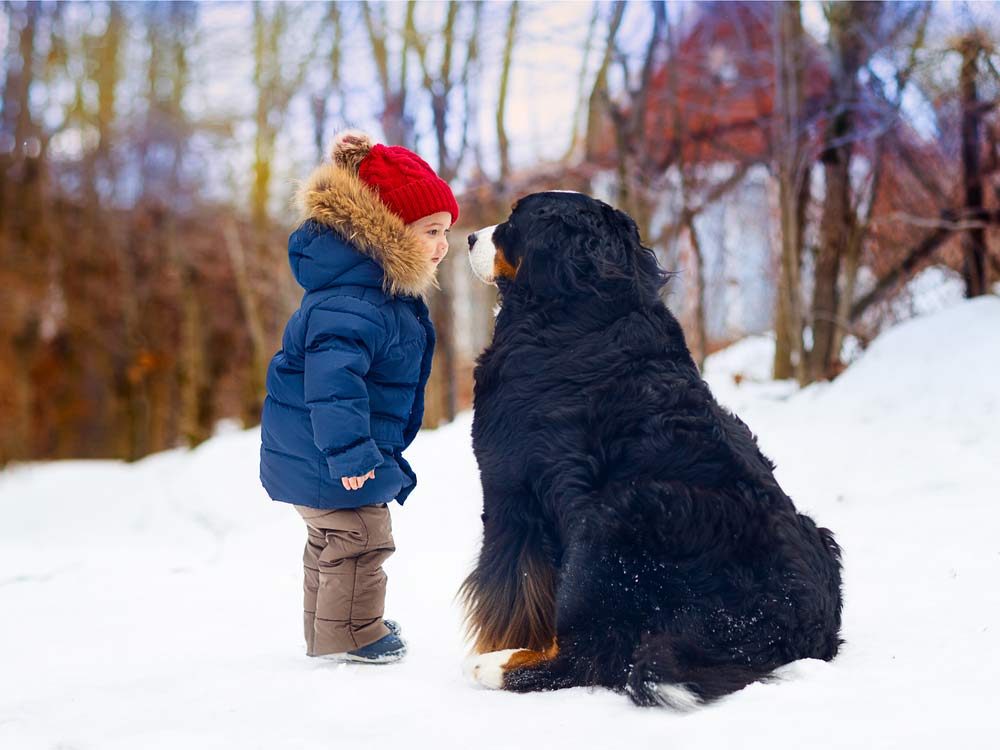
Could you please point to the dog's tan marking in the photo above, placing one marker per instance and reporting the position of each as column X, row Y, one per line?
column 527, row 658
column 502, row 266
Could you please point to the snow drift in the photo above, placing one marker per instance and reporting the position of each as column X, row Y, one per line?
column 157, row 604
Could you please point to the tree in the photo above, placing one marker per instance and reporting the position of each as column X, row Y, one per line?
column 503, row 142
column 24, row 257
column 442, row 84
column 850, row 27
column 949, row 174
column 276, row 82
column 974, row 268
column 792, row 168
column 392, row 72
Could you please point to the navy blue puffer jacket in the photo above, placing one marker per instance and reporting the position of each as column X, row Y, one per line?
column 345, row 394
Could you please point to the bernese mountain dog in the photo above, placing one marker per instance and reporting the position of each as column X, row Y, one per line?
column 634, row 535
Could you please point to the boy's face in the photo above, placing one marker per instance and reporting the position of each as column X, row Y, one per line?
column 432, row 231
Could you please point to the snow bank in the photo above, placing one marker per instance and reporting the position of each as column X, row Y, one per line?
column 157, row 604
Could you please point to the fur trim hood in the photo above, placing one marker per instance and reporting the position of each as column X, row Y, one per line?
column 335, row 197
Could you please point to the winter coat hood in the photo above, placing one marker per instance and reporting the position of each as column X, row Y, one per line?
column 372, row 246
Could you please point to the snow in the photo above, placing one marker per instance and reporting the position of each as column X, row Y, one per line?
column 157, row 604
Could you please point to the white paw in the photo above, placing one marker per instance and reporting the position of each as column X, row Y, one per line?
column 487, row 669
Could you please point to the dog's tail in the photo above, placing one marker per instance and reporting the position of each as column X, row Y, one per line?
column 662, row 676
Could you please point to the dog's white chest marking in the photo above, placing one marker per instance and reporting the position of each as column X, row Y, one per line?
column 487, row 669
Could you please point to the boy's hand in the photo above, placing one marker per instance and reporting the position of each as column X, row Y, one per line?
column 356, row 483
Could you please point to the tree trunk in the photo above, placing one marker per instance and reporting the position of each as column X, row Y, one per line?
column 793, row 187
column 701, row 334
column 260, row 351
column 849, row 22
column 852, row 255
column 441, row 388
column 396, row 126
column 834, row 231
column 191, row 356
column 974, row 268
column 503, row 145
column 20, row 257
column 574, row 138
column 265, row 133
column 597, row 104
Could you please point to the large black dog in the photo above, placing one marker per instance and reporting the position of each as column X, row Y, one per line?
column 634, row 536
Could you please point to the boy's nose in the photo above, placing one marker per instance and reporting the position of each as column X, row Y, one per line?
column 472, row 241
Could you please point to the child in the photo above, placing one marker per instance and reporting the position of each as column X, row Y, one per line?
column 345, row 395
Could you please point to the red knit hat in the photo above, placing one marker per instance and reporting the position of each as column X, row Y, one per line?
column 405, row 182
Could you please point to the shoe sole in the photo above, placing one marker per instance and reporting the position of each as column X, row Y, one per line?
column 389, row 658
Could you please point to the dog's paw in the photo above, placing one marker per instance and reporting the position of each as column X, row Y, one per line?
column 487, row 669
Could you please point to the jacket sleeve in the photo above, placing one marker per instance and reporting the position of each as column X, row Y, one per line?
column 342, row 336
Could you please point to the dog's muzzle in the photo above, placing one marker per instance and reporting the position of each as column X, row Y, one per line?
column 482, row 254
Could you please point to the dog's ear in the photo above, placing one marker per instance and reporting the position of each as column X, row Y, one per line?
column 569, row 249
column 551, row 252
column 627, row 259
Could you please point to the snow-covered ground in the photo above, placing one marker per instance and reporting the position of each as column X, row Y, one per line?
column 157, row 605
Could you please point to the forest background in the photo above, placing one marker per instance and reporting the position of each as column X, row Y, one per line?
column 814, row 170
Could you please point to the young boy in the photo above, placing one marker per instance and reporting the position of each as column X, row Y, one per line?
column 345, row 395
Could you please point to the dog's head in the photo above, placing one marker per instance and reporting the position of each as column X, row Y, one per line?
column 559, row 245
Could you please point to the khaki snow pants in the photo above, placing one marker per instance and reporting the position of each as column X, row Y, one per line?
column 344, row 581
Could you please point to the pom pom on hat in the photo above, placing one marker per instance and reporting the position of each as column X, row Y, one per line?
column 350, row 148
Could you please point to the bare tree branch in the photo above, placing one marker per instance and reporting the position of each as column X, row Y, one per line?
column 904, row 269
column 599, row 96
column 574, row 137
column 503, row 144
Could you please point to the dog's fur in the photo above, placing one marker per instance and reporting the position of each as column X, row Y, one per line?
column 634, row 536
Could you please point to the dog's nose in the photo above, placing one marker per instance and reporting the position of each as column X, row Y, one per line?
column 472, row 241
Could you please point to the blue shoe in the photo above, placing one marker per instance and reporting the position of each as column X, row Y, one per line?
column 393, row 626
column 385, row 650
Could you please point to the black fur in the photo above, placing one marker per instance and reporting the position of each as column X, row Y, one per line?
column 675, row 556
